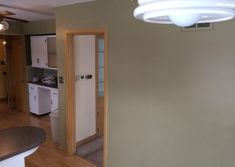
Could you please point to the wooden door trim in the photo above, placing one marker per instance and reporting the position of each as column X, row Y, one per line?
column 96, row 82
column 98, row 129
column 69, row 69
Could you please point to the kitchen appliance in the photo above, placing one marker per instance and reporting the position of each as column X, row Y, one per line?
column 35, row 78
column 49, row 80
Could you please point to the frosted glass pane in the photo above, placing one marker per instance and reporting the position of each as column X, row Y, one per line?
column 101, row 66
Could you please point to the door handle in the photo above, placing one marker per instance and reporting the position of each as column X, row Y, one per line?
column 83, row 77
column 88, row 76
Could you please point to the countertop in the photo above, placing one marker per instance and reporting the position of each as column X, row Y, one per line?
column 17, row 140
column 44, row 84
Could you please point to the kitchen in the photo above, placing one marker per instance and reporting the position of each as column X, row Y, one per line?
column 42, row 75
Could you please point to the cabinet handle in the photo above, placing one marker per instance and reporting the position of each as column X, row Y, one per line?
column 35, row 97
column 51, row 101
column 54, row 93
column 37, row 60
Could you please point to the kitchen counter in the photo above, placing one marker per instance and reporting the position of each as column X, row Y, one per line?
column 44, row 84
column 18, row 140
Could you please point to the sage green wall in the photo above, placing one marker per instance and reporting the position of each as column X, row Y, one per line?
column 33, row 27
column 67, row 19
column 15, row 28
column 171, row 93
column 40, row 27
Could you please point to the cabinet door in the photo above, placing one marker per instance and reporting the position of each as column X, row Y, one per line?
column 34, row 52
column 54, row 100
column 33, row 99
column 39, row 51
column 51, row 49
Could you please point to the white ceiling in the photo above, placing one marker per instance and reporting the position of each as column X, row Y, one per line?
column 34, row 9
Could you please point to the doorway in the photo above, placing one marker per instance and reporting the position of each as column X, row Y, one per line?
column 93, row 85
column 89, row 95
column 13, row 72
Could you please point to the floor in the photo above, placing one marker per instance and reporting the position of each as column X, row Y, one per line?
column 92, row 151
column 48, row 155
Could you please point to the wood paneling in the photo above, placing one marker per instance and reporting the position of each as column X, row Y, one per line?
column 3, row 68
column 106, row 46
column 17, row 67
column 70, row 96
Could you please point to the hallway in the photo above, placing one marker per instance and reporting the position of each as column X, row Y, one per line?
column 47, row 155
column 92, row 151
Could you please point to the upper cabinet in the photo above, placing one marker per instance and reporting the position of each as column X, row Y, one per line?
column 43, row 51
column 39, row 51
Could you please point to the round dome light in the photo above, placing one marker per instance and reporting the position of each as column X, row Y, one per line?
column 4, row 42
column 1, row 26
column 183, row 20
column 5, row 25
column 185, row 13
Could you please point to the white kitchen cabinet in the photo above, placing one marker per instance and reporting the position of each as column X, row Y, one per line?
column 39, row 51
column 54, row 99
column 42, row 99
column 33, row 98
column 39, row 100
column 43, row 51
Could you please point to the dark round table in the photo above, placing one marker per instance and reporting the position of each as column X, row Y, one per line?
column 18, row 140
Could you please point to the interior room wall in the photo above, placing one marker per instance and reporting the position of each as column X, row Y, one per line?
column 15, row 28
column 91, row 16
column 40, row 27
column 171, row 93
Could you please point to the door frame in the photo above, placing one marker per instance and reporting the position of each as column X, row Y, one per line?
column 9, row 50
column 99, row 130
column 69, row 70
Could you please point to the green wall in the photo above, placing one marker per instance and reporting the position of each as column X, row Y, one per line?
column 171, row 93
column 33, row 27
column 15, row 28
column 40, row 27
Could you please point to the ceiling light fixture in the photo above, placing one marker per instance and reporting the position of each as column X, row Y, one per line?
column 185, row 13
column 1, row 26
column 5, row 25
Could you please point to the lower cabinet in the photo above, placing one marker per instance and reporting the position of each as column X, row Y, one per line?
column 54, row 99
column 33, row 99
column 42, row 100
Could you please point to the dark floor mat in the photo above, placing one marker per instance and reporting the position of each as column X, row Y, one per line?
column 96, row 157
column 92, row 151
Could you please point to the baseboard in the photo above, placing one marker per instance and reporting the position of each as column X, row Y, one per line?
column 87, row 140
